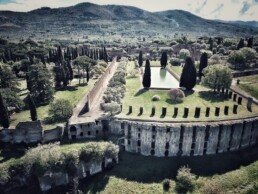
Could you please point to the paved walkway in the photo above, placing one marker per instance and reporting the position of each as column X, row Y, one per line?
column 95, row 111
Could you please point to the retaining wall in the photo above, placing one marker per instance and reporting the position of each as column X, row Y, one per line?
column 30, row 132
column 186, row 139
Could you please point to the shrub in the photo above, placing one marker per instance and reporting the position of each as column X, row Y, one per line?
column 212, row 187
column 166, row 185
column 113, row 108
column 133, row 73
column 184, row 53
column 175, row 93
column 42, row 158
column 155, row 98
column 185, row 180
column 4, row 174
column 175, row 61
column 103, row 64
column 60, row 110
column 70, row 162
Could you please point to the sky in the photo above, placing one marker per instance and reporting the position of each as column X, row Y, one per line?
column 246, row 10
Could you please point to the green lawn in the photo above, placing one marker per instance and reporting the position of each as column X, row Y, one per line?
column 177, row 69
column 252, row 89
column 250, row 85
column 249, row 79
column 73, row 94
column 202, row 98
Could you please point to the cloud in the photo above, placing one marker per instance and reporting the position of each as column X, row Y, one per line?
column 4, row 2
column 202, row 6
column 220, row 6
column 245, row 8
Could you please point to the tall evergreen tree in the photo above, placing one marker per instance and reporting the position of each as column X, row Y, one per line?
column 59, row 55
column 87, row 74
column 188, row 76
column 146, row 81
column 164, row 60
column 70, row 70
column 140, row 60
column 4, row 116
column 203, row 63
column 211, row 44
column 250, row 42
column 33, row 109
column 105, row 55
column 241, row 44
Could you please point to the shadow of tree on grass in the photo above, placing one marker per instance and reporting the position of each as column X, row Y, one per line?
column 141, row 91
column 213, row 97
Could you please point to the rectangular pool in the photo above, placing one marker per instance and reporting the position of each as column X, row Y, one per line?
column 162, row 79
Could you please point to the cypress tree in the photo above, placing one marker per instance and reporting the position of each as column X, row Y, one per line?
column 188, row 76
column 59, row 54
column 28, row 82
column 250, row 42
column 146, row 81
column 87, row 74
column 203, row 63
column 211, row 45
column 140, row 60
column 4, row 116
column 33, row 109
column 70, row 70
column 105, row 55
column 164, row 60
column 241, row 44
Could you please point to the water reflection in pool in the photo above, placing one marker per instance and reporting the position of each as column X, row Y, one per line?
column 160, row 78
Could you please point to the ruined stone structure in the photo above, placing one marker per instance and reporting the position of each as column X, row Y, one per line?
column 85, row 130
column 186, row 139
column 50, row 180
column 30, row 132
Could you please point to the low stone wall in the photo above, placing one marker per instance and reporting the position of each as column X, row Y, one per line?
column 55, row 134
column 245, row 73
column 30, row 132
column 186, row 139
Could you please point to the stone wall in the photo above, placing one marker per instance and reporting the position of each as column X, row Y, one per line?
column 98, row 85
column 50, row 180
column 30, row 132
column 186, row 139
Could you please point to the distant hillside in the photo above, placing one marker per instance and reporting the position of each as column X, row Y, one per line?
column 92, row 19
column 242, row 23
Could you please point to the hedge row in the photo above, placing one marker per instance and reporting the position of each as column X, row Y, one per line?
column 115, row 91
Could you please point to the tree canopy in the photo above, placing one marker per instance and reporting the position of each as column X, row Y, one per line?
column 217, row 76
column 42, row 90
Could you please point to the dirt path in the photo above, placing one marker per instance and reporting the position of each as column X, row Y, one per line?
column 95, row 111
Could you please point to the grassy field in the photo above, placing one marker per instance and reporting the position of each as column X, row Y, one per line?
column 74, row 93
column 177, row 69
column 249, row 79
column 250, row 85
column 200, row 97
